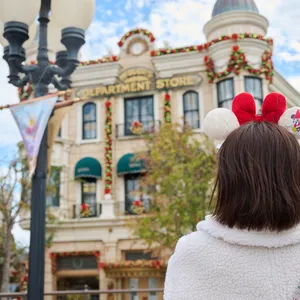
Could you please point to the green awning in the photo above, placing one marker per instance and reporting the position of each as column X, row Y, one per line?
column 129, row 164
column 88, row 168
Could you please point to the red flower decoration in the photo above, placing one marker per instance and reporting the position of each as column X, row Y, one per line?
column 107, row 104
column 107, row 191
column 167, row 97
column 120, row 44
column 235, row 48
column 234, row 36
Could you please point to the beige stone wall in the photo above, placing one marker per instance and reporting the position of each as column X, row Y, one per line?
column 110, row 236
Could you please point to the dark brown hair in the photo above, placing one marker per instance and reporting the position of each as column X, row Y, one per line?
column 258, row 180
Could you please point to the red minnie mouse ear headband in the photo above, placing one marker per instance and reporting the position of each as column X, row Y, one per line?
column 220, row 122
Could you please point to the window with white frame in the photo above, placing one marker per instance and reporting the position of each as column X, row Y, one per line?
column 225, row 90
column 134, row 193
column 191, row 109
column 89, row 121
column 139, row 109
column 88, row 194
column 53, row 188
column 253, row 85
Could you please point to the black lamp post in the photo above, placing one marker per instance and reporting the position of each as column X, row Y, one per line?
column 40, row 75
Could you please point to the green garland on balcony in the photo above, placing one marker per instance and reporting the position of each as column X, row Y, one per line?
column 237, row 62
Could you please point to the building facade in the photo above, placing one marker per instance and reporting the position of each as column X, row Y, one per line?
column 92, row 154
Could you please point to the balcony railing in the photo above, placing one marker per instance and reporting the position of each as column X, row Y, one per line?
column 94, row 211
column 125, row 208
column 87, row 294
column 148, row 127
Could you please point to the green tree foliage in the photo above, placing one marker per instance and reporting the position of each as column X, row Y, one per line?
column 181, row 169
column 13, row 178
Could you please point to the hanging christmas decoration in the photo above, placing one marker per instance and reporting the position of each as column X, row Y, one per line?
column 108, row 148
column 156, row 264
column 167, row 108
column 25, row 92
column 136, row 31
column 103, row 60
column 234, row 37
column 55, row 255
column 238, row 62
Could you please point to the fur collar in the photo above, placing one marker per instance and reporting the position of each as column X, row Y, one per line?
column 250, row 238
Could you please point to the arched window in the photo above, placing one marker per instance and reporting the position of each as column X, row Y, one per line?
column 89, row 121
column 191, row 109
column 225, row 90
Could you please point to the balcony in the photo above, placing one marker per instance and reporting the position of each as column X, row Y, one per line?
column 91, row 211
column 124, row 130
column 126, row 208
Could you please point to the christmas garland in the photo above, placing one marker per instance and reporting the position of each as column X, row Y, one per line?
column 238, row 62
column 21, row 277
column 108, row 148
column 167, row 108
column 205, row 46
column 136, row 31
column 103, row 60
column 25, row 92
column 157, row 264
column 55, row 255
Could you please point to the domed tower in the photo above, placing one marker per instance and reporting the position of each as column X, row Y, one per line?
column 237, row 27
column 235, row 16
column 233, row 5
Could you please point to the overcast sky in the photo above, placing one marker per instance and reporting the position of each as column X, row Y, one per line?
column 180, row 22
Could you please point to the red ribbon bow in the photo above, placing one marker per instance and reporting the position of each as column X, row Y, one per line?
column 244, row 108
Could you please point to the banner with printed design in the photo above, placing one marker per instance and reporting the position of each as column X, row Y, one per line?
column 32, row 118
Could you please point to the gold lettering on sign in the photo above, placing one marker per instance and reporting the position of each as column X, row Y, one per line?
column 118, row 89
column 132, row 86
column 174, row 82
column 141, row 86
column 159, row 84
column 147, row 84
column 190, row 81
column 111, row 90
column 126, row 88
column 184, row 81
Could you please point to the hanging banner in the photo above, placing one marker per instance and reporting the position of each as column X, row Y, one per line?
column 32, row 118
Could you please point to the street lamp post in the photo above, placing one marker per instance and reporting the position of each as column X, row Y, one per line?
column 17, row 15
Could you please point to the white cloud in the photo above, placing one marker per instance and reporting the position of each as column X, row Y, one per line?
column 22, row 236
column 9, row 132
column 128, row 5
column 295, row 82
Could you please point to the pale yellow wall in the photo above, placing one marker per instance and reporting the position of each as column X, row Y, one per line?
column 111, row 236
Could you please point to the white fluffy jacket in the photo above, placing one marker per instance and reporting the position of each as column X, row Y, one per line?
column 217, row 262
